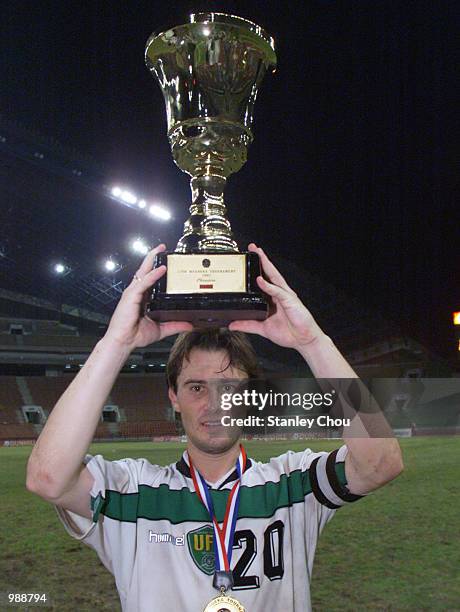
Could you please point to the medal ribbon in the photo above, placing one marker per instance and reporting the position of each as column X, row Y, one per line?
column 223, row 536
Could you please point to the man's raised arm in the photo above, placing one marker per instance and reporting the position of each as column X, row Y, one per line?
column 371, row 461
column 55, row 470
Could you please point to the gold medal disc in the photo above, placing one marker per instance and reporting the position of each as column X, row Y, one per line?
column 224, row 603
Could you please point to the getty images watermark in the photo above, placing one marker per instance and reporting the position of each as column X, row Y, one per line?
column 270, row 399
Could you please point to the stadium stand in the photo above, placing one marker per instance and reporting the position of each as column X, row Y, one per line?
column 105, row 431
column 58, row 342
column 24, row 431
column 142, row 397
column 138, row 408
column 146, row 429
column 10, row 401
column 141, row 403
column 45, row 391
column 8, row 341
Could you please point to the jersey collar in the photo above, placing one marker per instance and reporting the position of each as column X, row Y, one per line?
column 232, row 475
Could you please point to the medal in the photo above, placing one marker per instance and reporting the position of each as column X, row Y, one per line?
column 224, row 603
column 223, row 537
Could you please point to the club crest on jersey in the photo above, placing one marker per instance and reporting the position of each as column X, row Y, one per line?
column 200, row 545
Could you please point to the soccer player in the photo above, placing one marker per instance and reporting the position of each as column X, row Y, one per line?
column 216, row 524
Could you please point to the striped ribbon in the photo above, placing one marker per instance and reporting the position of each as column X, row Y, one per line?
column 223, row 536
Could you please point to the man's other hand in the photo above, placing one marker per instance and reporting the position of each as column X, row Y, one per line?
column 129, row 325
column 289, row 323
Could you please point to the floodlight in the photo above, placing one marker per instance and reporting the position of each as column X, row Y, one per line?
column 59, row 268
column 159, row 212
column 139, row 246
column 110, row 265
column 128, row 197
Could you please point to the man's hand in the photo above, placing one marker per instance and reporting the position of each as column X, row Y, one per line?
column 290, row 324
column 129, row 326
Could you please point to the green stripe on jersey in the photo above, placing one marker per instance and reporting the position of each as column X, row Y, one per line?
column 178, row 506
column 182, row 505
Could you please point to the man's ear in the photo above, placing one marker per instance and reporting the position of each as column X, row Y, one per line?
column 173, row 399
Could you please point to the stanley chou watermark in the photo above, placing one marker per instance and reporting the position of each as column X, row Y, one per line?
column 277, row 421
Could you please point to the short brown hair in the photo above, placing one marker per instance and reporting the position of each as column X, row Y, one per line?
column 241, row 355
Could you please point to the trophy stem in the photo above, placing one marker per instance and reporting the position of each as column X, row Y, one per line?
column 207, row 229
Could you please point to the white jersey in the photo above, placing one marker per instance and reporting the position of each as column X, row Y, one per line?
column 152, row 532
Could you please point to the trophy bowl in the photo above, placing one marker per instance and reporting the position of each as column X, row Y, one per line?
column 209, row 71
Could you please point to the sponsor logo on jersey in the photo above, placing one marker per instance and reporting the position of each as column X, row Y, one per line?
column 159, row 538
column 200, row 545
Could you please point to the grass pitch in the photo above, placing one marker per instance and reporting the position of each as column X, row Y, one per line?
column 397, row 550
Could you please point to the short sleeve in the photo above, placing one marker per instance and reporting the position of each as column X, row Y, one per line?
column 326, row 472
column 121, row 476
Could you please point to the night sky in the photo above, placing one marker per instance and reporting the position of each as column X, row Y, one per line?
column 353, row 172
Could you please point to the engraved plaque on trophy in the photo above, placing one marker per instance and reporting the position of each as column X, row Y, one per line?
column 210, row 71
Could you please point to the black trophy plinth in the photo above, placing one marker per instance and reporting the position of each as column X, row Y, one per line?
column 208, row 307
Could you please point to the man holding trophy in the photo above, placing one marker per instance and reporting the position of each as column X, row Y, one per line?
column 216, row 530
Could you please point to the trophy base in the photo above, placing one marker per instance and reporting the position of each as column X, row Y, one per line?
column 208, row 308
column 207, row 311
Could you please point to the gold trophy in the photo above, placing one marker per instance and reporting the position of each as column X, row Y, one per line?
column 210, row 71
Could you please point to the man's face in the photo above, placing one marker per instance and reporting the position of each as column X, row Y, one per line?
column 199, row 386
